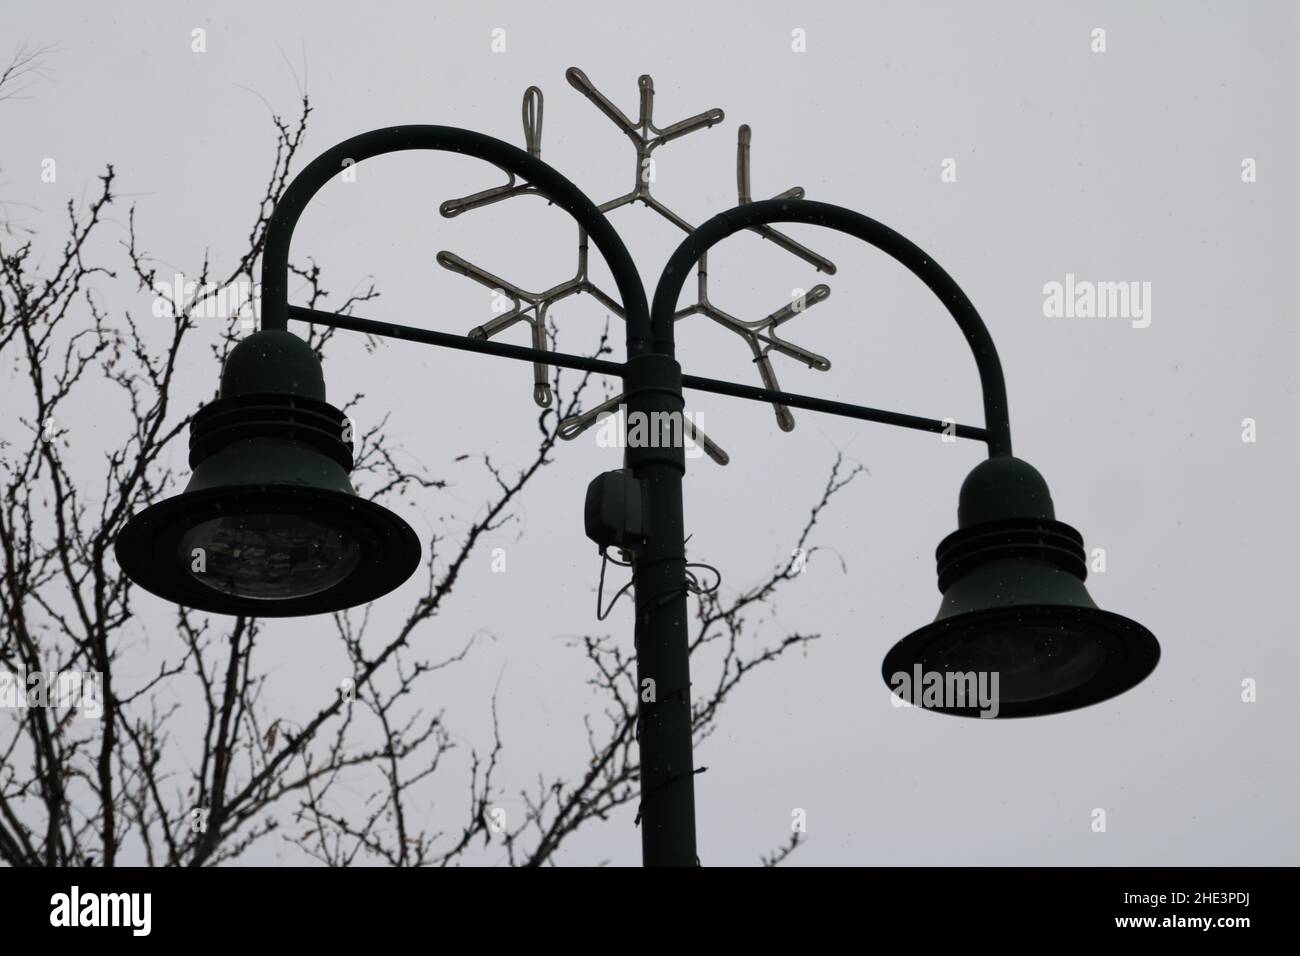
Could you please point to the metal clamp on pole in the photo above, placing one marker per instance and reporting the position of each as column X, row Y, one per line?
column 656, row 425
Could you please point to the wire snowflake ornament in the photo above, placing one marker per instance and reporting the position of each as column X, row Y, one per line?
column 516, row 304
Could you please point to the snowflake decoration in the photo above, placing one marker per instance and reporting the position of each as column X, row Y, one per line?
column 532, row 307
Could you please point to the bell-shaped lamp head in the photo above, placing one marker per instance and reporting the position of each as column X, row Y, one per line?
column 1016, row 623
column 269, row 524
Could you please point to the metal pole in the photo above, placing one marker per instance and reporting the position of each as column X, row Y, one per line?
column 653, row 386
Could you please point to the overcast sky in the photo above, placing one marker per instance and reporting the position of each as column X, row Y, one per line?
column 1117, row 166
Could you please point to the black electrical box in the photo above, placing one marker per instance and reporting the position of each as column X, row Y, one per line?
column 614, row 514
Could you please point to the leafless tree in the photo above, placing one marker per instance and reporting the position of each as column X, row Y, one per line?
column 141, row 784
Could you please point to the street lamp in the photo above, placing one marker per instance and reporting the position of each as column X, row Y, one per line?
column 1014, row 603
column 270, row 525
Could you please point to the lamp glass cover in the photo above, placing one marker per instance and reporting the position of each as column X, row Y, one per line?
column 268, row 556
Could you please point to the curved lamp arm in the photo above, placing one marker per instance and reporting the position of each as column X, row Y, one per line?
column 548, row 181
column 996, row 418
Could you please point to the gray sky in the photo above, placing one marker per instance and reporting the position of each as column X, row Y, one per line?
column 1123, row 165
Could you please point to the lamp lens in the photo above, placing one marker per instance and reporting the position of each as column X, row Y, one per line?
column 268, row 556
column 1032, row 661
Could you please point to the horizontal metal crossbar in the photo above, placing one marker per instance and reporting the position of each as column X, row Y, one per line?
column 585, row 363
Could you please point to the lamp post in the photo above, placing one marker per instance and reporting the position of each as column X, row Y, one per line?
column 270, row 525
